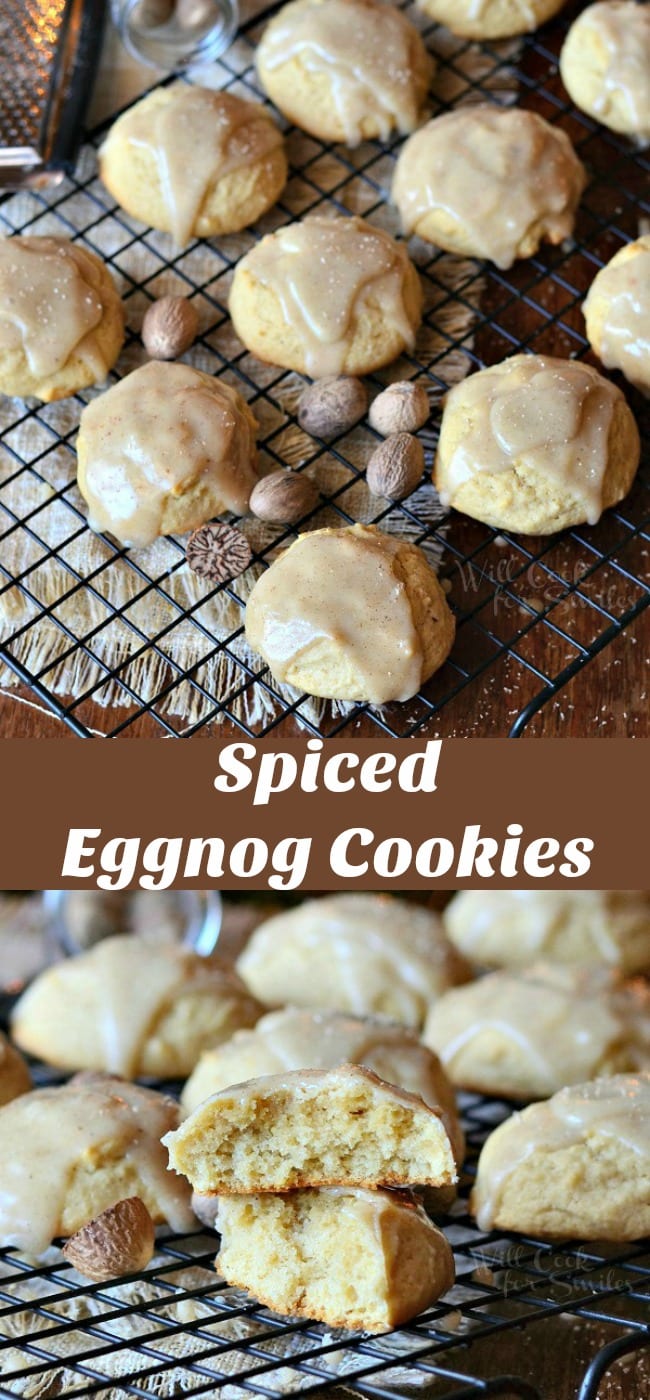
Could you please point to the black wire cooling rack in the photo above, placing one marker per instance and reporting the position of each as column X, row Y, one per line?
column 524, row 1319
column 534, row 611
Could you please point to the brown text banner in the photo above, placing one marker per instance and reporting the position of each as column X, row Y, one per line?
column 313, row 814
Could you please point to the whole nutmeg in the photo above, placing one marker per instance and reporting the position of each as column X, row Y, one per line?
column 401, row 408
column 193, row 14
column 148, row 14
column 119, row 1241
column 395, row 467
column 283, row 497
column 169, row 327
column 332, row 405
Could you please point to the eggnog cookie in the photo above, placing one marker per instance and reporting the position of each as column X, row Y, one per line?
column 489, row 182
column 71, row 1152
column 327, row 296
column 535, row 445
column 343, row 1256
column 514, row 928
column 337, row 1127
column 193, row 162
column 575, row 1167
column 131, row 1007
column 617, row 313
column 491, row 19
column 297, row 1039
column 163, row 451
column 525, row 1035
column 369, row 955
column 345, row 70
column 351, row 614
column 61, row 318
column 605, row 62
column 16, row 1079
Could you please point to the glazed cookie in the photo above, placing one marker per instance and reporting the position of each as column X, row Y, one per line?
column 61, row 318
column 193, row 162
column 327, row 296
column 336, row 1127
column 345, row 70
column 297, row 1039
column 163, row 451
column 575, row 1167
column 525, row 1035
column 514, row 928
column 369, row 955
column 535, row 445
column 344, row 1256
column 605, row 62
column 489, row 182
column 351, row 614
column 491, row 19
column 15, row 1077
column 71, row 1152
column 617, row 313
column 131, row 1007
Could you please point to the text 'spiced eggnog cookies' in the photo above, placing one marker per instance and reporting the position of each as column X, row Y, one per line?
column 617, row 312
column 489, row 182
column 577, row 1166
column 345, row 70
column 491, row 19
column 299, row 1254
column 524, row 1035
column 68, row 1153
column 536, row 444
column 163, row 451
column 337, row 1127
column 605, row 63
column 361, row 953
column 131, row 1007
column 15, row 1077
column 514, row 928
column 61, row 318
column 327, row 296
column 193, row 162
column 299, row 1039
column 352, row 614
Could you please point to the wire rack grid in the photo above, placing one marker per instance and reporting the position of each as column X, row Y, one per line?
column 533, row 610
column 177, row 1329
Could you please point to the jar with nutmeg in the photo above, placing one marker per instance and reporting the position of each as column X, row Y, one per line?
column 173, row 34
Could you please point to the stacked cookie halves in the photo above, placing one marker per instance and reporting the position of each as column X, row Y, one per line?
column 311, row 1173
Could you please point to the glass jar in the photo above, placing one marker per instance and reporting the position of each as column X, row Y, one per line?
column 174, row 34
column 78, row 919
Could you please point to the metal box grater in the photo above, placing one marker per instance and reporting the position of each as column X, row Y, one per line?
column 48, row 55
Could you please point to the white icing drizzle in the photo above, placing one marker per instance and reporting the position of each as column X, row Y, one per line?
column 496, row 173
column 617, row 1107
column 554, row 415
column 321, row 271
column 48, row 304
column 624, row 288
column 46, row 1134
column 196, row 137
column 366, row 51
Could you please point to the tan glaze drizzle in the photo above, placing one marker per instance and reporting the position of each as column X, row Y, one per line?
column 47, row 1133
column 321, row 270
column 48, row 307
column 625, row 334
column 495, row 173
column 365, row 50
column 155, row 435
column 553, row 1016
column 623, row 30
column 555, row 415
column 617, row 1107
column 196, row 140
column 340, row 590
column 477, row 8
